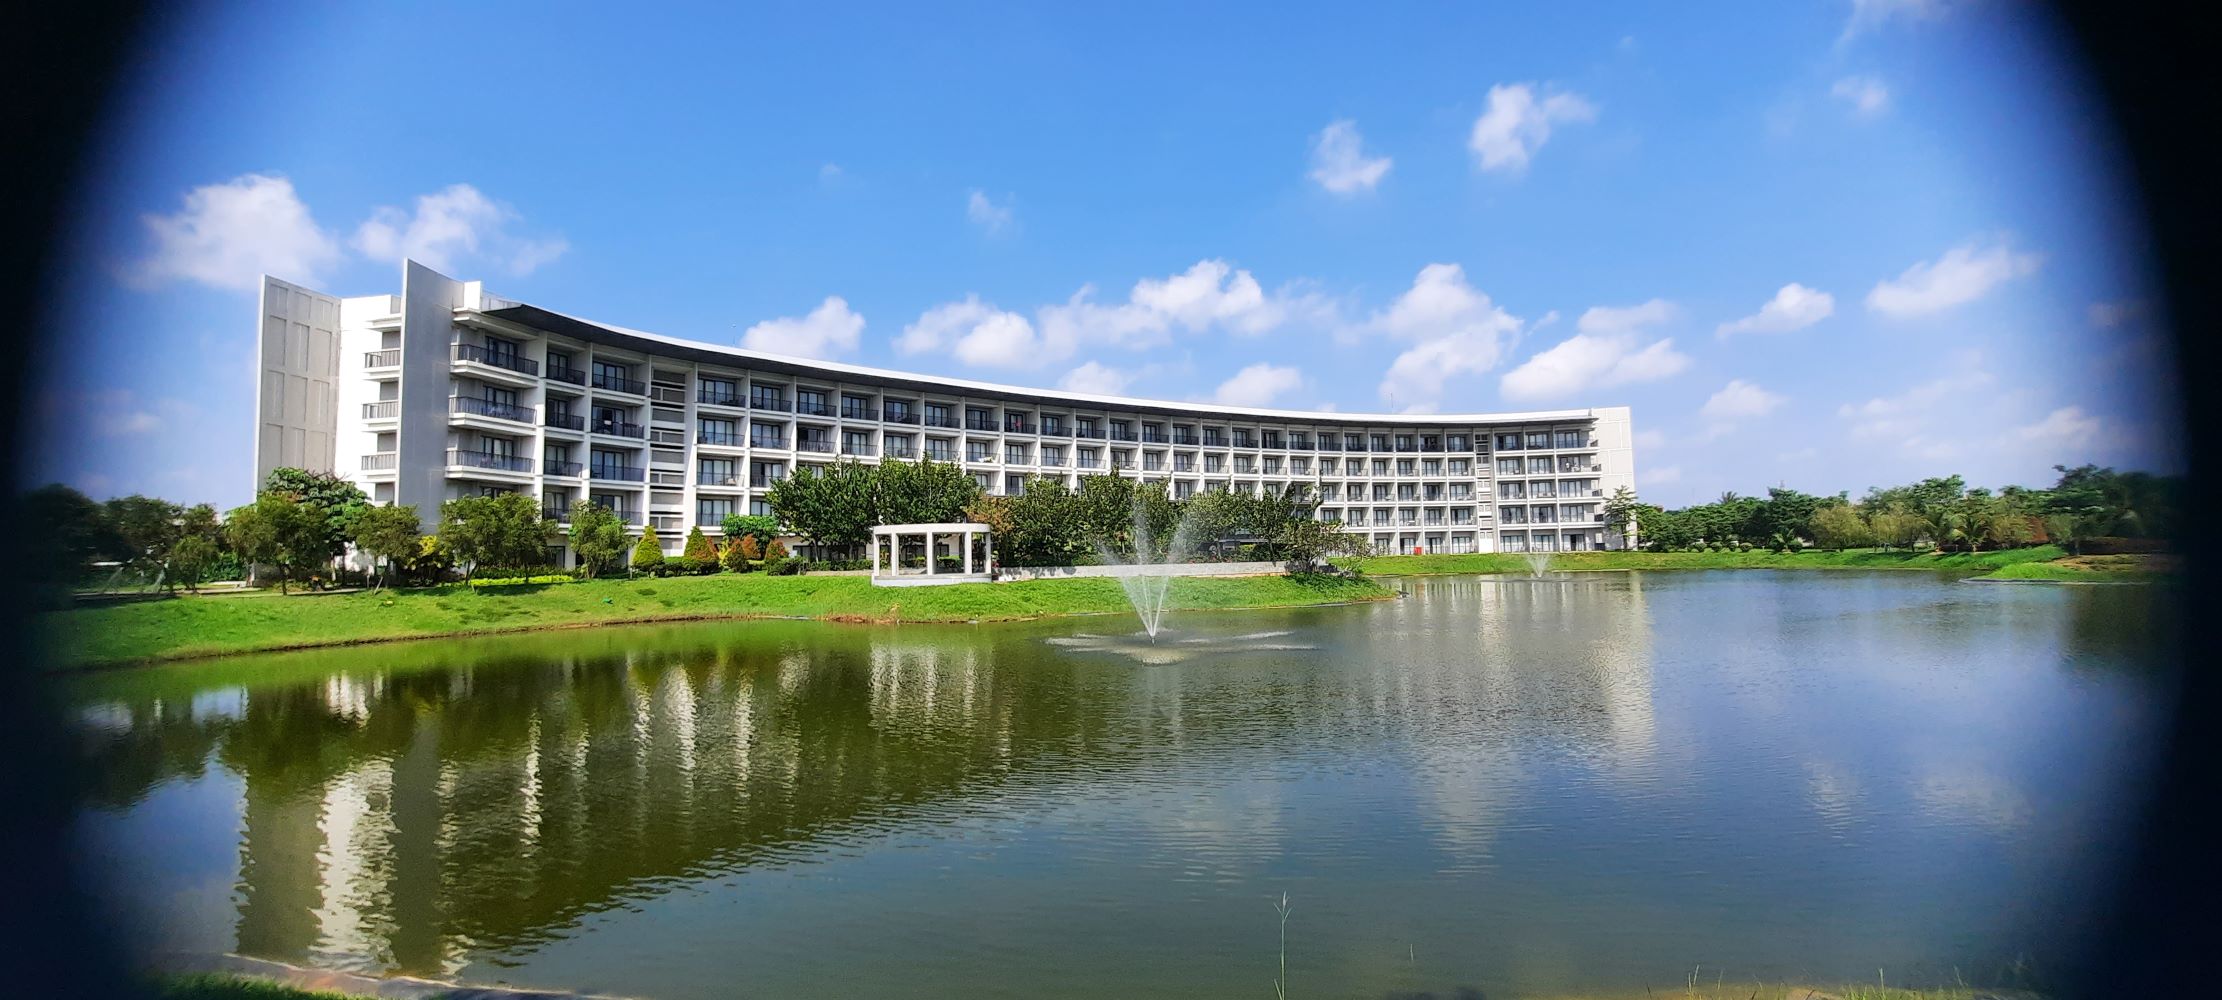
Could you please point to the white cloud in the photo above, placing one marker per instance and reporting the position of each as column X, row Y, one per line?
column 1651, row 438
column 1456, row 330
column 1607, row 351
column 228, row 235
column 2069, row 428
column 1211, row 292
column 1257, row 385
column 1339, row 162
column 985, row 213
column 1794, row 307
column 1096, row 379
column 2109, row 315
column 828, row 331
column 1869, row 96
column 1737, row 402
column 1903, row 419
column 1662, row 475
column 1516, row 124
column 451, row 225
column 977, row 332
column 831, row 173
column 1965, row 273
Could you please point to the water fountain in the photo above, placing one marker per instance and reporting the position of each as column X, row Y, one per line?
column 1539, row 563
column 1147, row 591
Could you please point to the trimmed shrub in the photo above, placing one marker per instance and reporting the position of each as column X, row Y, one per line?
column 698, row 546
column 649, row 554
column 734, row 557
column 776, row 562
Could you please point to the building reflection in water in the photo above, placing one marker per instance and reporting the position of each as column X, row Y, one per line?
column 416, row 814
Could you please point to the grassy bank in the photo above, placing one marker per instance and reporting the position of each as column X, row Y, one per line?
column 1576, row 562
column 2092, row 569
column 190, row 626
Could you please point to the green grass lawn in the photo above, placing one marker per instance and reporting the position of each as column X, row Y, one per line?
column 205, row 626
column 1576, row 562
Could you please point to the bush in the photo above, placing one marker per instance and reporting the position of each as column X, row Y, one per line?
column 734, row 557
column 649, row 554
column 776, row 562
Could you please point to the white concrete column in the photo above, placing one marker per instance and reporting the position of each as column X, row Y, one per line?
column 875, row 553
column 929, row 553
column 968, row 552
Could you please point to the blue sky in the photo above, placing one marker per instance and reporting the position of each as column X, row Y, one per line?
column 1831, row 245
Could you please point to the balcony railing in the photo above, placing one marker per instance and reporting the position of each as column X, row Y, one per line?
column 777, row 404
column 619, row 428
column 1018, row 427
column 895, row 451
column 379, row 461
column 819, row 445
column 619, row 473
column 1053, row 462
column 768, row 442
column 629, row 515
column 382, row 359
column 971, row 424
column 488, row 460
column 1187, row 439
column 566, row 373
column 730, row 439
column 1091, row 433
column 709, row 398
column 1121, row 435
column 895, row 416
column 504, row 359
column 567, row 470
column 382, row 410
column 808, row 408
column 944, row 420
column 708, row 479
column 619, row 383
column 567, row 421
column 859, row 413
column 554, row 512
column 489, row 408
column 852, row 448
column 942, row 455
column 763, row 481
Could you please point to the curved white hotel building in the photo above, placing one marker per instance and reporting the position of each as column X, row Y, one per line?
column 445, row 391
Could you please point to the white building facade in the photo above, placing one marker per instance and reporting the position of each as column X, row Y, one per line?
column 446, row 391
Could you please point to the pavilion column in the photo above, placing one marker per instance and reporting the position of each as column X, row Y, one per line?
column 929, row 537
column 875, row 553
column 968, row 552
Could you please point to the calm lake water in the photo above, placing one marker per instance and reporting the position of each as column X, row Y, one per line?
column 1508, row 786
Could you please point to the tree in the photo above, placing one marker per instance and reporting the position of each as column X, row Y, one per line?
column 648, row 556
column 144, row 529
column 1897, row 528
column 191, row 558
column 830, row 507
column 279, row 531
column 597, row 537
column 334, row 502
column 1620, row 512
column 430, row 563
column 1662, row 529
column 1839, row 526
column 762, row 527
column 64, row 533
column 775, row 558
column 1785, row 512
column 921, row 492
column 388, row 534
column 502, row 530
column 698, row 547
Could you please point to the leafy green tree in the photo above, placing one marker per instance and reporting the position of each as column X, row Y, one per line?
column 648, row 556
column 1898, row 528
column 597, row 537
column 65, row 533
column 334, row 501
column 1620, row 512
column 762, row 527
column 1662, row 529
column 920, row 492
column 388, row 533
column 191, row 558
column 1040, row 526
column 830, row 507
column 144, row 528
column 277, row 530
column 431, row 562
column 500, row 531
column 1839, row 526
column 1786, row 512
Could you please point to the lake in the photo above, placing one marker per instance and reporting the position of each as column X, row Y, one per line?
column 1510, row 786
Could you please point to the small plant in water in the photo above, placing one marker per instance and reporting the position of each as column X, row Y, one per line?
column 1280, row 982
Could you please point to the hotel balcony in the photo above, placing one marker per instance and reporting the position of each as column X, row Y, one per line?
column 382, row 359
column 775, row 404
column 495, row 461
column 613, row 383
column 566, row 470
column 380, row 461
column 564, row 421
column 564, row 373
column 384, row 409
column 709, row 398
column 508, row 361
column 619, row 473
column 473, row 406
column 619, row 428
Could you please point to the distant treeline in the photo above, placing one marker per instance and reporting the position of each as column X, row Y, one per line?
column 2088, row 502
